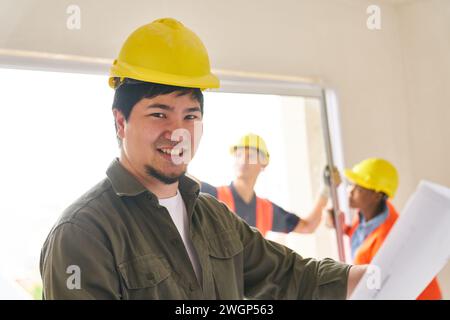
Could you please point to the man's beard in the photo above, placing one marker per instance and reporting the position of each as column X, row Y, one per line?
column 152, row 172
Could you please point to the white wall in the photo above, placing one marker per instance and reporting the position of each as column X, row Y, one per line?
column 425, row 41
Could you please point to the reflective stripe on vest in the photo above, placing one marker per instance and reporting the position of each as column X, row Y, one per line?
column 264, row 209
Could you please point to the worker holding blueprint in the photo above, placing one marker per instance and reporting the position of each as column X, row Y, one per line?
column 372, row 183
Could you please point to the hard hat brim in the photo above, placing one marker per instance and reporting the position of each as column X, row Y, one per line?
column 123, row 70
column 356, row 179
column 235, row 147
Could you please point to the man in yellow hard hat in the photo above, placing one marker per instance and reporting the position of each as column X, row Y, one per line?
column 251, row 158
column 372, row 183
column 145, row 232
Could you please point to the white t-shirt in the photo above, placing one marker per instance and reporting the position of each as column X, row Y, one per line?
column 178, row 213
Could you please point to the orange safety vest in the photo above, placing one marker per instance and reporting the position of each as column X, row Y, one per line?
column 264, row 209
column 373, row 242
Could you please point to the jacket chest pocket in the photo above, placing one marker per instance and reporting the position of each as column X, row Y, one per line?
column 225, row 252
column 143, row 275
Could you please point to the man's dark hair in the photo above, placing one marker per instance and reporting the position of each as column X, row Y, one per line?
column 130, row 91
column 382, row 204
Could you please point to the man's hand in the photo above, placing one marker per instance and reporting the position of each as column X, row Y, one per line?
column 330, row 219
column 330, row 176
column 354, row 276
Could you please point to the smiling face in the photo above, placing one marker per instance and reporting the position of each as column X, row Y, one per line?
column 160, row 136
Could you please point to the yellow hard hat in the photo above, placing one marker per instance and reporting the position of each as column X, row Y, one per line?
column 251, row 141
column 164, row 52
column 375, row 174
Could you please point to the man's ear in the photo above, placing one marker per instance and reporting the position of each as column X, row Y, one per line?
column 120, row 121
column 379, row 196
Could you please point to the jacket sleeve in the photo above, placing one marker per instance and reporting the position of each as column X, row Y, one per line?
column 76, row 264
column 272, row 271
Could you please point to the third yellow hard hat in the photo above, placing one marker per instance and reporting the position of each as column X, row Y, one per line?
column 375, row 174
column 252, row 141
column 164, row 52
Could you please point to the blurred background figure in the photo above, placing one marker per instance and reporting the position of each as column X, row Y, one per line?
column 251, row 157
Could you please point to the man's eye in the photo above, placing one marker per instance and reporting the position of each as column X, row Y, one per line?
column 191, row 117
column 157, row 115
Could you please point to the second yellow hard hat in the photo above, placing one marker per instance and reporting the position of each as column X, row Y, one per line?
column 375, row 174
column 252, row 141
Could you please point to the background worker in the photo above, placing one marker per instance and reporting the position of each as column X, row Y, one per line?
column 373, row 182
column 251, row 157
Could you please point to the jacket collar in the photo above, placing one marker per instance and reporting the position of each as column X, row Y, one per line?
column 125, row 184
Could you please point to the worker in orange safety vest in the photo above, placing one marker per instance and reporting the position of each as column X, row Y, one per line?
column 372, row 183
column 251, row 158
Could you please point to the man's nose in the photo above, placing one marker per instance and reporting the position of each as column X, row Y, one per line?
column 240, row 159
column 172, row 127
